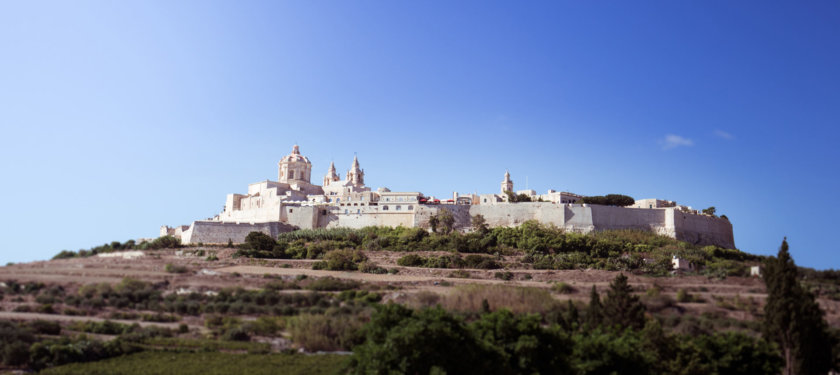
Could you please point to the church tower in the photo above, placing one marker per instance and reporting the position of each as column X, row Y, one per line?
column 294, row 168
column 356, row 175
column 331, row 175
column 507, row 184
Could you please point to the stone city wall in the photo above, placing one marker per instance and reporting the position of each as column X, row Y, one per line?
column 220, row 232
column 702, row 229
column 696, row 229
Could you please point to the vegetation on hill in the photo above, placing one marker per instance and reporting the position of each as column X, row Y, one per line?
column 434, row 340
column 497, row 329
column 165, row 242
column 543, row 246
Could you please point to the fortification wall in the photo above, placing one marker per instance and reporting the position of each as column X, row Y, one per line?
column 702, row 229
column 513, row 214
column 609, row 217
column 364, row 216
column 303, row 217
column 221, row 232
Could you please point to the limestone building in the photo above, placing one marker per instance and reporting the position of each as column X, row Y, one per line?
column 293, row 202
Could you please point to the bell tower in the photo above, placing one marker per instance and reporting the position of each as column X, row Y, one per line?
column 507, row 183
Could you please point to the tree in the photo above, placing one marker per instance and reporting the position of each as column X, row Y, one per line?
column 426, row 341
column 479, row 224
column 527, row 347
column 514, row 198
column 621, row 307
column 710, row 211
column 610, row 200
column 259, row 241
column 433, row 223
column 794, row 320
column 446, row 221
column 594, row 315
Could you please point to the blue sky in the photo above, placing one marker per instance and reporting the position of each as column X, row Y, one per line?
column 118, row 117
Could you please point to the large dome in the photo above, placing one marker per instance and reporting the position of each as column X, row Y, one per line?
column 295, row 156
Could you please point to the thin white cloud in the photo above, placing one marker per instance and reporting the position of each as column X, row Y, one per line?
column 673, row 141
column 724, row 135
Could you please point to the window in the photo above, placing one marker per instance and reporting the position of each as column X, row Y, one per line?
column 290, row 210
column 387, row 199
column 384, row 208
column 399, row 207
column 337, row 200
column 291, row 175
column 410, row 207
column 346, row 211
column 358, row 211
column 362, row 198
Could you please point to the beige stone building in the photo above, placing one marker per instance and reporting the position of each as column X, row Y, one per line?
column 293, row 202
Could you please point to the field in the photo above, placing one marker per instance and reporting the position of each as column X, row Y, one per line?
column 164, row 363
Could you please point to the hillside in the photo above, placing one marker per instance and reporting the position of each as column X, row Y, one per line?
column 207, row 298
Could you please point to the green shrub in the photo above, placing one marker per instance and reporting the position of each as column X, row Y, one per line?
column 341, row 260
column 332, row 284
column 172, row 268
column 370, row 267
column 563, row 288
column 410, row 260
column 506, row 275
column 460, row 274
column 326, row 332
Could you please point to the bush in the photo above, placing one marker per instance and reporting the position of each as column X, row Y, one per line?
column 45, row 327
column 410, row 260
column 332, row 284
column 171, row 268
column 326, row 332
column 506, row 275
column 460, row 274
column 468, row 298
column 341, row 260
column 563, row 288
column 370, row 267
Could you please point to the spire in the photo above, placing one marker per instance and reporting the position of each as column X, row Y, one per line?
column 356, row 175
column 295, row 150
column 331, row 175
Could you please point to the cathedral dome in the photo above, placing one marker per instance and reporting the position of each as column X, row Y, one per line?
column 295, row 156
column 294, row 167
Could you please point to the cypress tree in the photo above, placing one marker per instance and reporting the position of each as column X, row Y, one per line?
column 794, row 320
column 594, row 315
column 621, row 307
column 572, row 318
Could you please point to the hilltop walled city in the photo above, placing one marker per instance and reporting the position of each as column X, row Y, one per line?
column 293, row 202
